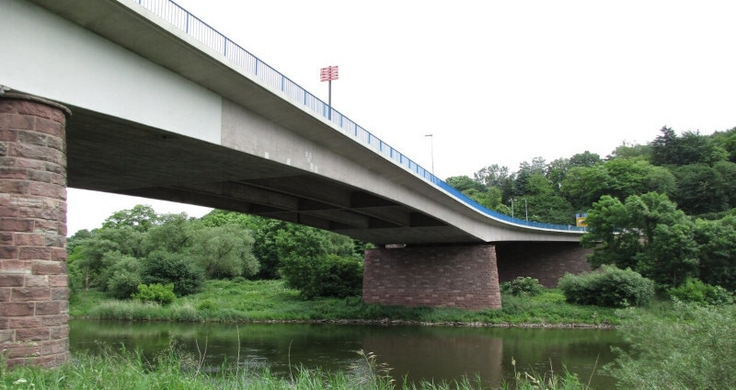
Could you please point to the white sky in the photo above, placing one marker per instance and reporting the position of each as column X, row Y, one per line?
column 495, row 82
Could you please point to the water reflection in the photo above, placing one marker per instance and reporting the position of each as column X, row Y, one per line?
column 432, row 353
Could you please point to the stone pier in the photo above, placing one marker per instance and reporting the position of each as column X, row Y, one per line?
column 459, row 276
column 33, row 273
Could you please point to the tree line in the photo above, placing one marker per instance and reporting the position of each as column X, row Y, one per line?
column 666, row 209
column 697, row 172
column 140, row 247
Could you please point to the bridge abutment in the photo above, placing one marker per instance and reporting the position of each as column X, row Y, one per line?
column 33, row 273
column 462, row 276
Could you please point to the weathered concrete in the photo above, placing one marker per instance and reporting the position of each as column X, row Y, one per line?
column 546, row 261
column 33, row 273
column 443, row 276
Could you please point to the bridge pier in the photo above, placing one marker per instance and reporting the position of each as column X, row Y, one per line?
column 33, row 273
column 462, row 276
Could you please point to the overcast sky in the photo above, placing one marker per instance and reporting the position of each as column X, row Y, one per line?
column 494, row 82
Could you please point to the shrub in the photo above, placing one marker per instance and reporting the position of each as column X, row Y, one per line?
column 701, row 293
column 123, row 276
column 156, row 293
column 324, row 275
column 523, row 285
column 611, row 287
column 163, row 267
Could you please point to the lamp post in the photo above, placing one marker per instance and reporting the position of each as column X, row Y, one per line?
column 431, row 149
column 512, row 207
column 526, row 210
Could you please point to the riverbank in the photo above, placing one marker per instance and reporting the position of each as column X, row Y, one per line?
column 270, row 301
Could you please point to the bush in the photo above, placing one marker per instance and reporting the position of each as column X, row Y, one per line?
column 324, row 275
column 611, row 287
column 523, row 285
column 156, row 293
column 163, row 267
column 701, row 293
column 124, row 277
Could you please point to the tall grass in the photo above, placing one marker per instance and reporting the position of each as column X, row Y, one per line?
column 174, row 371
column 270, row 300
column 687, row 347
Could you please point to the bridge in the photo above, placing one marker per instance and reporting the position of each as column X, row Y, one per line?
column 139, row 97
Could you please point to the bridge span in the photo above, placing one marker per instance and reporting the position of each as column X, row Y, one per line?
column 139, row 97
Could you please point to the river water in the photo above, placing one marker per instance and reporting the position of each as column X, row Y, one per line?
column 430, row 353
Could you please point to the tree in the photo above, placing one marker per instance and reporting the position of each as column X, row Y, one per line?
column 163, row 267
column 727, row 141
column 557, row 171
column 122, row 276
column 585, row 159
column 140, row 218
column 173, row 234
column 666, row 148
column 495, row 176
column 717, row 249
column 224, row 252
column 526, row 170
column 465, row 183
column 646, row 233
column 633, row 151
column 690, row 148
column 701, row 189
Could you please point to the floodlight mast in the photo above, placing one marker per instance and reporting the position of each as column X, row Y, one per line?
column 328, row 74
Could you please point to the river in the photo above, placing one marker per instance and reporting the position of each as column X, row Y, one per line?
column 431, row 353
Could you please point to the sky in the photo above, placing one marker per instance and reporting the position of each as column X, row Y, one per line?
column 493, row 82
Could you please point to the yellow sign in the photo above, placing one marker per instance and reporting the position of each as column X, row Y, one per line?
column 580, row 219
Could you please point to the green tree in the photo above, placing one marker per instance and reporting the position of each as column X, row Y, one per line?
column 122, row 276
column 164, row 267
column 173, row 234
column 585, row 159
column 690, row 148
column 717, row 248
column 464, row 183
column 633, row 151
column 726, row 140
column 666, row 148
column 646, row 233
column 224, row 252
column 140, row 218
column 701, row 189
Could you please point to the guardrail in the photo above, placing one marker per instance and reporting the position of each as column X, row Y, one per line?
column 204, row 33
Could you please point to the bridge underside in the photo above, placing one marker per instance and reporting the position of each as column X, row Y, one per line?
column 112, row 155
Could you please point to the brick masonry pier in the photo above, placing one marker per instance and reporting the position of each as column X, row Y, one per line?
column 465, row 277
column 33, row 274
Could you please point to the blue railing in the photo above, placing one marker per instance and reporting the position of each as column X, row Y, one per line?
column 204, row 33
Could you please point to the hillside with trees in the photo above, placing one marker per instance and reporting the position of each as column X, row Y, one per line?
column 666, row 209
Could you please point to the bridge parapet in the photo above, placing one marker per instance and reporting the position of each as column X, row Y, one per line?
column 280, row 84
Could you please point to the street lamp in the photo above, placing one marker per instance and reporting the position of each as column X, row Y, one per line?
column 431, row 148
column 526, row 210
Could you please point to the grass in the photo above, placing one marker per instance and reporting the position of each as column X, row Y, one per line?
column 270, row 300
column 172, row 370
